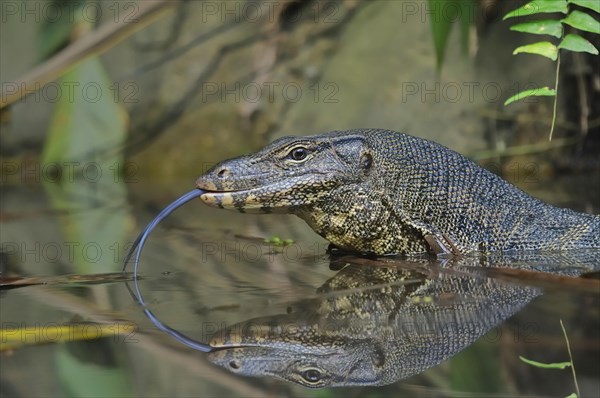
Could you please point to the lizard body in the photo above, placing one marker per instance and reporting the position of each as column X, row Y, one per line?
column 382, row 192
column 374, row 325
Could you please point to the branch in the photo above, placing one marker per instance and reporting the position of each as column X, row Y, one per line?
column 94, row 43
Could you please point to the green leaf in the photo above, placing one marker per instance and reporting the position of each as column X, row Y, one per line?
column 467, row 372
column 53, row 37
column 559, row 365
column 79, row 376
column 535, row 92
column 55, row 29
column 440, row 28
column 543, row 48
column 572, row 395
column 546, row 27
column 85, row 137
column 582, row 21
column 444, row 13
column 88, row 118
column 573, row 42
column 591, row 4
column 538, row 7
column 468, row 11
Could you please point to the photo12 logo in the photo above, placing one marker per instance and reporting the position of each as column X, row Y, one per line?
column 465, row 91
column 68, row 172
column 270, row 11
column 68, row 11
column 21, row 333
column 65, row 252
column 253, row 92
column 71, row 92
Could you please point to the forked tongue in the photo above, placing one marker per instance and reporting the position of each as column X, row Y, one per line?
column 137, row 247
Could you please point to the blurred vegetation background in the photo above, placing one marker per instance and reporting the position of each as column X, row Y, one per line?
column 177, row 85
column 140, row 97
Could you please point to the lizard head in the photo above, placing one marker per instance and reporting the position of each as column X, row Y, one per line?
column 289, row 173
column 298, row 353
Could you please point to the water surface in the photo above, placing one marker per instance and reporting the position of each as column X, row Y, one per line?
column 448, row 327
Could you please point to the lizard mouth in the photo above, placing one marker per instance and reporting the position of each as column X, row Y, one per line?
column 241, row 199
column 221, row 187
column 252, row 195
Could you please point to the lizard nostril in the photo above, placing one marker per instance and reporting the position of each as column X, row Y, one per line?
column 223, row 173
column 234, row 364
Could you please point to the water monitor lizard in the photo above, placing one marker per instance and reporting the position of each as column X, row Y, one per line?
column 373, row 325
column 383, row 192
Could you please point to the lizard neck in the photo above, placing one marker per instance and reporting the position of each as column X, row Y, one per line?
column 359, row 218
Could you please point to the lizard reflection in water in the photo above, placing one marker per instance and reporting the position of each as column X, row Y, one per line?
column 371, row 325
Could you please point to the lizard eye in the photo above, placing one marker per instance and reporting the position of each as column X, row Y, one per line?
column 312, row 375
column 298, row 153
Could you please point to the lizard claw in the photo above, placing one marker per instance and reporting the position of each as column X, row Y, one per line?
column 441, row 244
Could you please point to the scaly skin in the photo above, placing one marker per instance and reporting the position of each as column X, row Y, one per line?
column 383, row 192
column 370, row 325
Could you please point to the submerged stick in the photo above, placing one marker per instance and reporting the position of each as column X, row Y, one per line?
column 137, row 248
